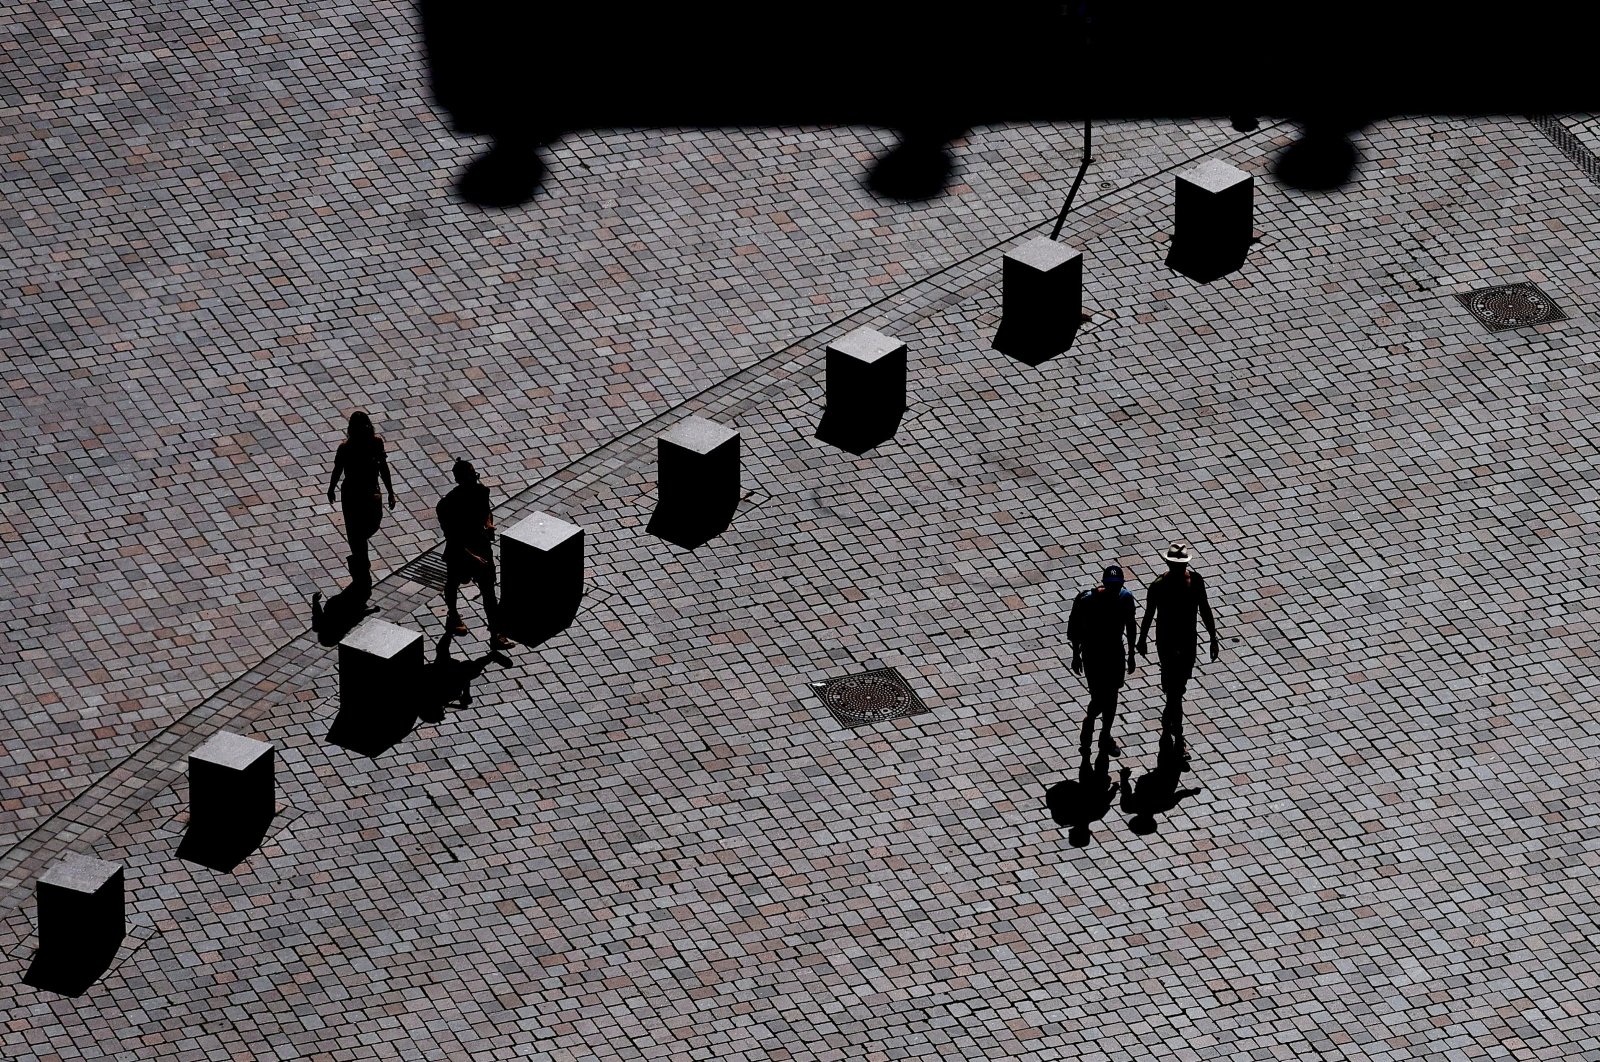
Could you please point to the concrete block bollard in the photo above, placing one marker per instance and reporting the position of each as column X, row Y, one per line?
column 82, row 917
column 866, row 376
column 380, row 670
column 541, row 576
column 232, row 797
column 697, row 481
column 1041, row 300
column 1213, row 211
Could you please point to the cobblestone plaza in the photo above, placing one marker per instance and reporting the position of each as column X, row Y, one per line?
column 646, row 838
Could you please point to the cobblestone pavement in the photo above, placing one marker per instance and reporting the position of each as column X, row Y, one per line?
column 225, row 228
column 646, row 838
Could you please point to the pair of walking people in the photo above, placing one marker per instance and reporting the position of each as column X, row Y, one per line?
column 464, row 516
column 1101, row 624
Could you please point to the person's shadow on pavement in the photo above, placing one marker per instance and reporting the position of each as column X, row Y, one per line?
column 338, row 616
column 1156, row 792
column 447, row 682
column 1078, row 805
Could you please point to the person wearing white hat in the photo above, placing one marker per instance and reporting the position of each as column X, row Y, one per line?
column 1178, row 595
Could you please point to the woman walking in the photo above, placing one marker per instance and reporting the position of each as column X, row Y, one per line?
column 362, row 462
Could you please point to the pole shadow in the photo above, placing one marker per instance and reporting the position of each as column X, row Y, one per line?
column 338, row 616
column 1078, row 805
column 1156, row 791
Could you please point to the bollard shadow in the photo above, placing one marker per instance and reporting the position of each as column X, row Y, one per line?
column 1156, row 792
column 70, row 970
column 858, row 433
column 533, row 622
column 1203, row 267
column 447, row 682
column 1079, row 804
column 372, row 733
column 338, row 616
column 689, row 527
column 223, row 846
column 1034, row 346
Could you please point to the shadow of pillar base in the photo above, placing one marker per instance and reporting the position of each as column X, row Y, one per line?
column 223, row 846
column 71, row 974
column 371, row 735
column 690, row 528
column 1318, row 163
column 857, row 432
column 509, row 174
column 1034, row 346
column 1203, row 268
column 914, row 170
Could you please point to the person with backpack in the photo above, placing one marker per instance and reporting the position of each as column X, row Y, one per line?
column 1100, row 618
column 362, row 461
column 1178, row 595
column 468, row 526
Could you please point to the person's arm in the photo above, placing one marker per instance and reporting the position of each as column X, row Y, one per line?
column 383, row 470
column 1128, row 628
column 1206, row 618
column 338, row 470
column 1149, row 615
column 1074, row 634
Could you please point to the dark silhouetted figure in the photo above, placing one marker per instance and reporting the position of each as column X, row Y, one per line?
column 1178, row 596
column 1099, row 619
column 1078, row 805
column 332, row 621
column 362, row 462
column 1155, row 793
column 468, row 526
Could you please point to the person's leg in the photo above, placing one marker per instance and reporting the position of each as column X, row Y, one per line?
column 491, row 607
column 452, row 622
column 1107, row 715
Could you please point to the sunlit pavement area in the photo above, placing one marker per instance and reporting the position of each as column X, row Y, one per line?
column 647, row 837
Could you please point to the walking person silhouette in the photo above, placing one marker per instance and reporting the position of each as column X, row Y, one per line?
column 362, row 461
column 1099, row 619
column 1178, row 595
column 468, row 526
column 1156, row 791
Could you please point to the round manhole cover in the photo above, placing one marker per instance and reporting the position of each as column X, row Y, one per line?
column 867, row 698
column 1511, row 306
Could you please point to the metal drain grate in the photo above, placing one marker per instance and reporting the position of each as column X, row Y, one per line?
column 871, row 697
column 1511, row 306
column 428, row 569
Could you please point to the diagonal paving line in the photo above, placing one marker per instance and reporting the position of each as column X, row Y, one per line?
column 121, row 791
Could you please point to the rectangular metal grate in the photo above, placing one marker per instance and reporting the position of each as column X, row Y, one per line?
column 870, row 697
column 1511, row 306
column 428, row 569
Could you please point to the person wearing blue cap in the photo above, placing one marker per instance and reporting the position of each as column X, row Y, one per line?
column 1101, row 617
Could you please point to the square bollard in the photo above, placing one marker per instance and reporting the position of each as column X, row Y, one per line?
column 1213, row 211
column 380, row 670
column 541, row 575
column 81, row 909
column 231, row 789
column 697, row 467
column 1041, row 299
column 866, row 376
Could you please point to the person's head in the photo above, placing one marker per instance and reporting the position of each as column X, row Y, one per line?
column 1143, row 825
column 1177, row 557
column 1111, row 579
column 464, row 472
column 1078, row 837
column 360, row 429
